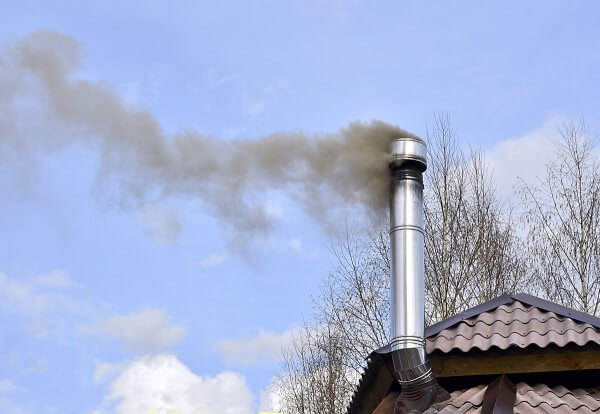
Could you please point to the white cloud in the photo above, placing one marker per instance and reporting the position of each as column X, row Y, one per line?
column 213, row 260
column 46, row 307
column 264, row 347
column 8, row 386
column 273, row 209
column 523, row 157
column 290, row 246
column 55, row 279
column 161, row 384
column 40, row 303
column 106, row 370
column 40, row 365
column 162, row 222
column 270, row 400
column 296, row 244
column 21, row 297
column 268, row 97
column 140, row 92
column 147, row 331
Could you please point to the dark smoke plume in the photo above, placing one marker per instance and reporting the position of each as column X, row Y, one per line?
column 37, row 78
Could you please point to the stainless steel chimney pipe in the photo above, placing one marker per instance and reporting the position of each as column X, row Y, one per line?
column 407, row 164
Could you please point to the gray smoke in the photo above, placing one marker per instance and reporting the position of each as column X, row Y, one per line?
column 37, row 78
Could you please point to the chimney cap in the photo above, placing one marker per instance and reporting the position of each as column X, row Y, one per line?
column 408, row 153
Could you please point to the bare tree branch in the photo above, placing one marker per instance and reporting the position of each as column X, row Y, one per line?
column 562, row 214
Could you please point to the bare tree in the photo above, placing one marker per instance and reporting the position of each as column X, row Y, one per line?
column 472, row 252
column 562, row 214
column 351, row 317
column 499, row 265
column 445, row 187
column 313, row 377
column 355, row 295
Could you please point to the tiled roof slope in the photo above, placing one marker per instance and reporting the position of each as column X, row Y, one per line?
column 513, row 325
column 529, row 400
column 467, row 401
column 510, row 320
column 541, row 398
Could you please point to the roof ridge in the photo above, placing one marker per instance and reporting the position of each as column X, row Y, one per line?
column 503, row 308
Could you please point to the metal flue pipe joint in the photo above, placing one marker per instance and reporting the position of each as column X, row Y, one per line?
column 409, row 161
column 419, row 387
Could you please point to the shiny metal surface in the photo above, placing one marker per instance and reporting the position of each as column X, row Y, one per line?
column 407, row 261
column 409, row 149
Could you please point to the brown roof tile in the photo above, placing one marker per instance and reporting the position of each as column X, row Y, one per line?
column 513, row 325
column 541, row 398
column 463, row 401
column 529, row 400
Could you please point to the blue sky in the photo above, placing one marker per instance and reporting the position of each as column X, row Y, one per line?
column 93, row 290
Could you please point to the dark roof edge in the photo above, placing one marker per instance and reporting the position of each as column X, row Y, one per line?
column 558, row 309
column 382, row 351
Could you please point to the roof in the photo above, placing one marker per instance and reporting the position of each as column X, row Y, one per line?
column 506, row 299
column 468, row 401
column 529, row 399
column 513, row 325
column 509, row 326
column 486, row 311
column 559, row 399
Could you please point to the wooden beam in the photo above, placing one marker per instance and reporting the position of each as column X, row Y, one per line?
column 514, row 361
column 499, row 397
